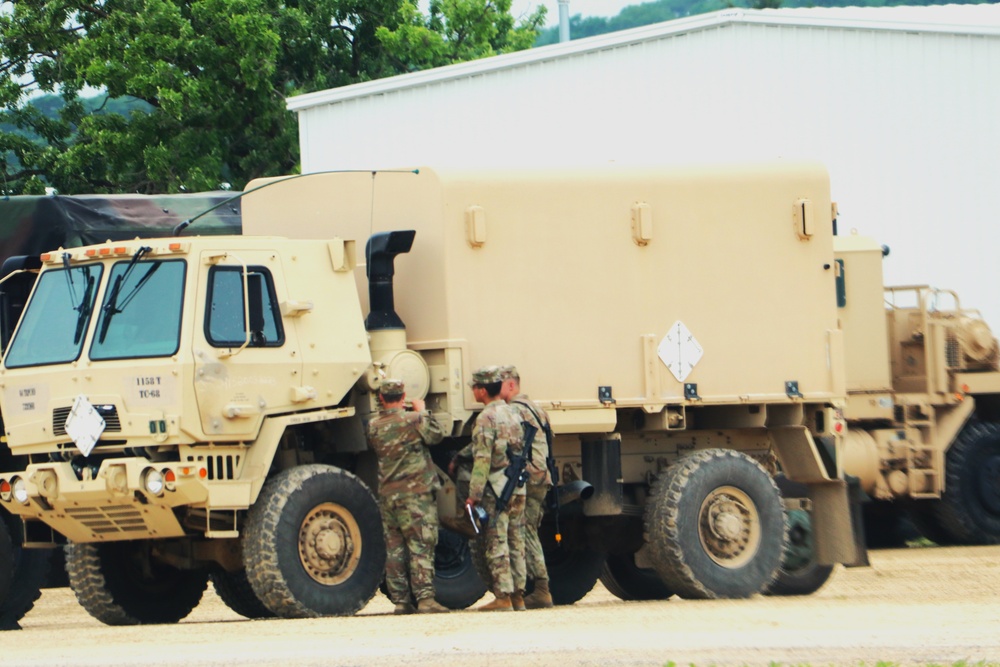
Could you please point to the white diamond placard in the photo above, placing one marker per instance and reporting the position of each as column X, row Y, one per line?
column 679, row 351
column 84, row 425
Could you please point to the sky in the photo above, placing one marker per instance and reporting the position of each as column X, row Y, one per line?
column 584, row 7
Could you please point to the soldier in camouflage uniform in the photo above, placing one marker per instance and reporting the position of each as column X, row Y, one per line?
column 496, row 429
column 539, row 483
column 407, row 481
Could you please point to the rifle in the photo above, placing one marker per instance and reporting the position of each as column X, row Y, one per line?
column 552, row 501
column 517, row 467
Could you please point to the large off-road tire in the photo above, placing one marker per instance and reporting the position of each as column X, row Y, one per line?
column 889, row 525
column 234, row 589
column 626, row 580
column 925, row 516
column 22, row 573
column 799, row 574
column 121, row 583
column 804, row 580
column 56, row 577
column 969, row 509
column 6, row 561
column 313, row 543
column 457, row 583
column 716, row 526
column 572, row 573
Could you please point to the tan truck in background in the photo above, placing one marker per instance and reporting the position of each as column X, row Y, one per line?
column 923, row 405
column 193, row 407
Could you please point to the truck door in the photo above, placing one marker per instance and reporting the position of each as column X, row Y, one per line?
column 246, row 361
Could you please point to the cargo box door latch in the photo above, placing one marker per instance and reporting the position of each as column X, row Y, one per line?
column 642, row 223
column 475, row 226
column 805, row 219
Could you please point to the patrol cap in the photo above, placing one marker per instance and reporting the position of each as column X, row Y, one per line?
column 390, row 386
column 485, row 375
column 509, row 373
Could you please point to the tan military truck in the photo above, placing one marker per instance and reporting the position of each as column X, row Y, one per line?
column 32, row 224
column 923, row 404
column 194, row 405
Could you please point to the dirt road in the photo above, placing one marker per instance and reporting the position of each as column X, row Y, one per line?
column 911, row 607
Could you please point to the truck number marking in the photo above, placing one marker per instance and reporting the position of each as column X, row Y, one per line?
column 27, row 392
column 26, row 399
column 151, row 390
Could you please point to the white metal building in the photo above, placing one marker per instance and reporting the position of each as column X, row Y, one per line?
column 900, row 103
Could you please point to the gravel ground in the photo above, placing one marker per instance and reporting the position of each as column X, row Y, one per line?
column 911, row 607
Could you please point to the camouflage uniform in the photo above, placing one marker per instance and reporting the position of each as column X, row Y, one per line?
column 539, row 483
column 496, row 429
column 407, row 481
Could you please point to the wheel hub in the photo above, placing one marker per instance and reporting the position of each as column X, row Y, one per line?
column 729, row 527
column 329, row 544
column 728, row 522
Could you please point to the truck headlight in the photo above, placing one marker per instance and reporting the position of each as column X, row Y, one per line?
column 152, row 481
column 20, row 490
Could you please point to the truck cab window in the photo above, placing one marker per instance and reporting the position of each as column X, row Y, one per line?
column 225, row 320
column 54, row 325
column 141, row 313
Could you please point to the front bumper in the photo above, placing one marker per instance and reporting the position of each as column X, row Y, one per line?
column 116, row 503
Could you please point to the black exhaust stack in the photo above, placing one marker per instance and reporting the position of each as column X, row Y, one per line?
column 380, row 252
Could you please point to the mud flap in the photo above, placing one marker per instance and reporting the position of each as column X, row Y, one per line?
column 839, row 532
column 857, row 497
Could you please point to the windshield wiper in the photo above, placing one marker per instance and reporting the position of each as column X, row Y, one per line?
column 138, row 286
column 83, row 309
column 111, row 305
column 69, row 278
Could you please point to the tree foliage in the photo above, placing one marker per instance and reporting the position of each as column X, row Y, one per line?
column 207, row 80
column 456, row 31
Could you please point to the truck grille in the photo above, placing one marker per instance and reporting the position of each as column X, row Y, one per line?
column 110, row 413
column 110, row 519
column 952, row 350
column 221, row 466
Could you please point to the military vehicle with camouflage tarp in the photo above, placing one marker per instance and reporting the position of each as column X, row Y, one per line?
column 30, row 225
column 193, row 406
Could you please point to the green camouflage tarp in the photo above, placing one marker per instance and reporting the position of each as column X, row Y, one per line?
column 33, row 225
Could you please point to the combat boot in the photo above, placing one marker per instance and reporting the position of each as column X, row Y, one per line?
column 517, row 601
column 430, row 606
column 404, row 608
column 501, row 603
column 540, row 598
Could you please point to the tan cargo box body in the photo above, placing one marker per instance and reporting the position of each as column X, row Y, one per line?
column 595, row 279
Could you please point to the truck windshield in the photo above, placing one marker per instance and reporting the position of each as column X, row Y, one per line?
column 141, row 313
column 55, row 322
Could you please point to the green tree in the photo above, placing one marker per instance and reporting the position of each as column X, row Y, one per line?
column 456, row 31
column 208, row 79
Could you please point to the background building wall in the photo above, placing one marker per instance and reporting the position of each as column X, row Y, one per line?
column 900, row 104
